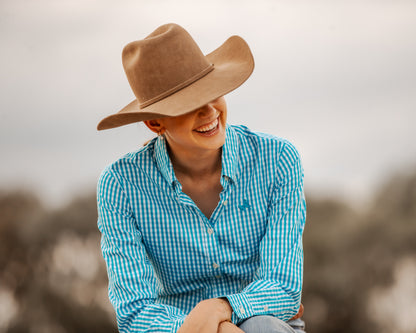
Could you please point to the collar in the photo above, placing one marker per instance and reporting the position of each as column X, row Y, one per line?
column 230, row 155
column 163, row 161
column 229, row 158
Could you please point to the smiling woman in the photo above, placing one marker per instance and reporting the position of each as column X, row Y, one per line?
column 200, row 131
column 201, row 228
column 194, row 144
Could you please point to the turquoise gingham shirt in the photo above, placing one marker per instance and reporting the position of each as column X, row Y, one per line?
column 164, row 256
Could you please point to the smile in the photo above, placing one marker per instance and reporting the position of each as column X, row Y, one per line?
column 208, row 127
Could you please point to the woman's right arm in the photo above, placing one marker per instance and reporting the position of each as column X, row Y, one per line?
column 133, row 286
column 227, row 327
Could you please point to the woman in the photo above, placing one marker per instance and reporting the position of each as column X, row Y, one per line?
column 201, row 228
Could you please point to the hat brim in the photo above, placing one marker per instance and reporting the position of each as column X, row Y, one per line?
column 233, row 64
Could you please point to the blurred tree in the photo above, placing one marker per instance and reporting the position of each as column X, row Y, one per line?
column 349, row 254
column 28, row 237
column 18, row 210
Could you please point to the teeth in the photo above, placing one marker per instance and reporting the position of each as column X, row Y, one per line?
column 208, row 127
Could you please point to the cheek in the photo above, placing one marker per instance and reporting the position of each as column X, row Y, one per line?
column 222, row 105
column 223, row 110
column 177, row 127
column 180, row 134
column 224, row 117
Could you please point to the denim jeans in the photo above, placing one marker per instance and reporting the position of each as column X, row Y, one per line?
column 270, row 324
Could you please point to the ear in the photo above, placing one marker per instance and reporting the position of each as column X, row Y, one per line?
column 155, row 125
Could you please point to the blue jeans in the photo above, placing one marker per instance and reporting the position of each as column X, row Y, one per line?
column 270, row 324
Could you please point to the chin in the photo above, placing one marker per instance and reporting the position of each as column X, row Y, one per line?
column 219, row 142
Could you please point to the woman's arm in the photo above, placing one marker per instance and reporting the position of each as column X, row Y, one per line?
column 133, row 286
column 277, row 285
column 228, row 327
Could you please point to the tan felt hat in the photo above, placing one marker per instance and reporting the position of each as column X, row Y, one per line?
column 170, row 76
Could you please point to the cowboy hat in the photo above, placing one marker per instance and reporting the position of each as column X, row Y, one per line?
column 170, row 76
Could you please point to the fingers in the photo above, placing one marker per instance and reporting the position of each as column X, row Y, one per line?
column 206, row 316
column 299, row 314
column 217, row 308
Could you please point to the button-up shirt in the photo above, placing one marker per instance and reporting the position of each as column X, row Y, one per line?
column 163, row 255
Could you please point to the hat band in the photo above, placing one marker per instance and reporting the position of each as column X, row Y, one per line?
column 178, row 87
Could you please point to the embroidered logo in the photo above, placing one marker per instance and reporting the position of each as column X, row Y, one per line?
column 245, row 205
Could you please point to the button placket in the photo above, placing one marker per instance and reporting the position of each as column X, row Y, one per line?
column 211, row 241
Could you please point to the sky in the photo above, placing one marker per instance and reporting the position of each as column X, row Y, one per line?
column 337, row 78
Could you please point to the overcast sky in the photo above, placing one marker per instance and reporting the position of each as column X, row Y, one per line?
column 337, row 78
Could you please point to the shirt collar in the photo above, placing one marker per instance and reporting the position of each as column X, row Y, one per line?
column 163, row 161
column 229, row 162
column 230, row 155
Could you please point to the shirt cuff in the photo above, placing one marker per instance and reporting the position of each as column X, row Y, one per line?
column 245, row 307
column 242, row 309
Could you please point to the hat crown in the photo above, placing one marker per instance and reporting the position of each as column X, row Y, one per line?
column 164, row 62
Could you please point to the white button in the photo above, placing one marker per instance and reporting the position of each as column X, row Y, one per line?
column 215, row 265
column 242, row 310
column 266, row 308
column 225, row 202
column 210, row 231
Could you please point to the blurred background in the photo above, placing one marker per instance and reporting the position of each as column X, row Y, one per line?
column 337, row 78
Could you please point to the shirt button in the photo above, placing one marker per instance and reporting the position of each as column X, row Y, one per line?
column 210, row 231
column 242, row 310
column 225, row 202
column 218, row 276
column 215, row 265
column 266, row 308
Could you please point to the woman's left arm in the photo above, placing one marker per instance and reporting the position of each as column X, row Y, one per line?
column 277, row 286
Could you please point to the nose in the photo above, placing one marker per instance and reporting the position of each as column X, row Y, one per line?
column 206, row 111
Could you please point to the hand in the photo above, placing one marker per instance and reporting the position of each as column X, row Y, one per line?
column 227, row 327
column 299, row 314
column 206, row 316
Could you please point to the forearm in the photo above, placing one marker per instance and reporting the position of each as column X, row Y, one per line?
column 227, row 327
column 276, row 289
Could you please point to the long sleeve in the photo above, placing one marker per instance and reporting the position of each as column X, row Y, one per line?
column 276, row 288
column 133, row 285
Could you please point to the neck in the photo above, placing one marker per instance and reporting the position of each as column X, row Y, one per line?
column 196, row 165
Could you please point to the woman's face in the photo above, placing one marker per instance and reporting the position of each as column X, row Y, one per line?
column 201, row 130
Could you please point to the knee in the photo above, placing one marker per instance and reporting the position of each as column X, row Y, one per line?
column 265, row 324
